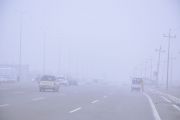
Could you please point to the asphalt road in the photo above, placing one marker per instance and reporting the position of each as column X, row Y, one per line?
column 85, row 102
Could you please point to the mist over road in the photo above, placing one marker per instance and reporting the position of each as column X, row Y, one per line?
column 84, row 102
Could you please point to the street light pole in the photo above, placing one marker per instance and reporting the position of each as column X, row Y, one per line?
column 169, row 36
column 20, row 45
column 44, row 53
column 158, row 63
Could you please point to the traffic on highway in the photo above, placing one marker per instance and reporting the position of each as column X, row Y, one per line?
column 89, row 60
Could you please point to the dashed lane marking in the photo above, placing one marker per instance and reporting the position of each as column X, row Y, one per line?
column 38, row 99
column 74, row 110
column 167, row 100
column 177, row 107
column 4, row 105
column 95, row 101
column 105, row 96
column 171, row 97
column 154, row 110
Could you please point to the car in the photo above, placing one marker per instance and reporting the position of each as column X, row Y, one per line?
column 137, row 84
column 63, row 81
column 48, row 82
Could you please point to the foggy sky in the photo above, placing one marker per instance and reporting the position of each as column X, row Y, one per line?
column 94, row 38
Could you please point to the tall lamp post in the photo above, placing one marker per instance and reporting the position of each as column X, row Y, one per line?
column 158, row 63
column 20, row 46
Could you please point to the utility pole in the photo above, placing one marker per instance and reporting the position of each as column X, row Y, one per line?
column 158, row 63
column 169, row 36
column 20, row 46
column 44, row 53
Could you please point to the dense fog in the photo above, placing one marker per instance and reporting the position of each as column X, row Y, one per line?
column 104, row 39
column 89, row 60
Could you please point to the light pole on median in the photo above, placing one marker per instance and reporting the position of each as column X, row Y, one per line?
column 20, row 46
column 158, row 63
column 21, row 18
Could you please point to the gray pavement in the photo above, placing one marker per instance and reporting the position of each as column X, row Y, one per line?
column 85, row 102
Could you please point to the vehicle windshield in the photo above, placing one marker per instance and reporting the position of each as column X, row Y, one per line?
column 89, row 59
column 48, row 78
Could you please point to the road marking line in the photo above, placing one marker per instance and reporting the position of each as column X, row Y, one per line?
column 171, row 97
column 105, row 96
column 38, row 98
column 95, row 101
column 155, row 112
column 177, row 107
column 79, row 108
column 167, row 100
column 4, row 105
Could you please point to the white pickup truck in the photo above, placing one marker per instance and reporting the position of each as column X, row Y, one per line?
column 48, row 82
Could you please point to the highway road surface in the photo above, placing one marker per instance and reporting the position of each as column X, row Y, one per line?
column 85, row 102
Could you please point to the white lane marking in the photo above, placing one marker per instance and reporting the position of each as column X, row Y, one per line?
column 105, row 96
column 38, row 98
column 167, row 100
column 171, row 97
column 79, row 108
column 155, row 112
column 4, row 105
column 175, row 106
column 95, row 101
